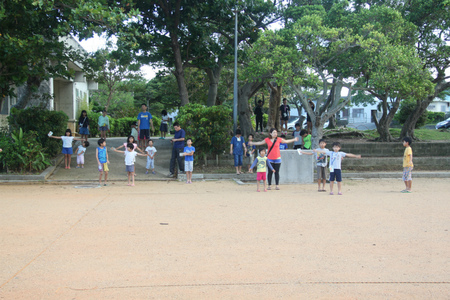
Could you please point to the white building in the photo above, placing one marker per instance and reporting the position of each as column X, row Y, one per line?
column 67, row 95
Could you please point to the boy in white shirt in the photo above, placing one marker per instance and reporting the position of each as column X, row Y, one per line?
column 151, row 151
column 130, row 157
column 336, row 157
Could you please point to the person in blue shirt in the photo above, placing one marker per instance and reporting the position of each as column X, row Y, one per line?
column 177, row 148
column 238, row 148
column 283, row 146
column 189, row 160
column 144, row 121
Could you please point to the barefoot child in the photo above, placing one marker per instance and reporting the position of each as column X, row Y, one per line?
column 237, row 149
column 261, row 162
column 407, row 164
column 101, row 153
column 151, row 151
column 189, row 160
column 67, row 145
column 336, row 157
column 80, row 153
column 130, row 157
column 321, row 159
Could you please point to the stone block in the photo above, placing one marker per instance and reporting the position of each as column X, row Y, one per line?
column 296, row 168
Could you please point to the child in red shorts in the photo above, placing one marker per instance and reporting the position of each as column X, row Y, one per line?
column 261, row 164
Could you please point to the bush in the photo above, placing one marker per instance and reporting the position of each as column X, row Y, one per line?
column 22, row 152
column 406, row 108
column 209, row 127
column 118, row 127
column 41, row 121
column 435, row 117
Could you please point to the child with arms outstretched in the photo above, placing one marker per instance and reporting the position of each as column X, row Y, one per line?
column 261, row 162
column 130, row 157
column 67, row 145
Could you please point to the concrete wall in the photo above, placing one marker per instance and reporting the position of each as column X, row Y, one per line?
column 395, row 149
column 296, row 168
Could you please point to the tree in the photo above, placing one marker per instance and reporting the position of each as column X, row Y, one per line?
column 111, row 68
column 30, row 33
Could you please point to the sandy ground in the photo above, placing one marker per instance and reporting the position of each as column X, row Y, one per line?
column 221, row 240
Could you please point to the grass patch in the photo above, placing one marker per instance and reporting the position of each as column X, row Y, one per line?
column 422, row 134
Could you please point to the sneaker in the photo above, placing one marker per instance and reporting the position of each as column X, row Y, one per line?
column 153, row 172
column 146, row 172
column 331, row 193
column 170, row 175
column 340, row 193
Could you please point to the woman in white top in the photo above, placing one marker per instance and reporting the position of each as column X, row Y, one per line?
column 67, row 146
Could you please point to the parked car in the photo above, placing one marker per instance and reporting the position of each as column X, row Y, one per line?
column 292, row 121
column 443, row 124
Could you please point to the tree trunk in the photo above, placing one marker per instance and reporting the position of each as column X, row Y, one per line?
column 244, row 110
column 274, row 106
column 179, row 70
column 213, row 76
column 422, row 105
column 332, row 122
column 385, row 121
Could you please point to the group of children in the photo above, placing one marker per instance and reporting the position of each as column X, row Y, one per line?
column 336, row 156
column 130, row 153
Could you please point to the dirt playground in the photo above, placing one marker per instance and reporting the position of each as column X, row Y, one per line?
column 221, row 240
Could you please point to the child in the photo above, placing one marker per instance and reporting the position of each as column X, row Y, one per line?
column 80, row 154
column 103, row 125
column 238, row 148
column 296, row 134
column 250, row 152
column 336, row 157
column 134, row 132
column 101, row 153
column 188, row 154
column 84, row 125
column 164, row 127
column 306, row 139
column 261, row 162
column 407, row 164
column 283, row 146
column 321, row 159
column 150, row 157
column 130, row 157
column 67, row 146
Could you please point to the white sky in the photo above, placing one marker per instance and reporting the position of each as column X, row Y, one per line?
column 99, row 42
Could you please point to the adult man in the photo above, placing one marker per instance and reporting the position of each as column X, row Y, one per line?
column 177, row 148
column 259, row 114
column 144, row 120
column 285, row 115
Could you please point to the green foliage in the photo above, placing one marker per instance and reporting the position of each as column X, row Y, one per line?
column 209, row 127
column 406, row 108
column 435, row 117
column 22, row 152
column 119, row 126
column 41, row 121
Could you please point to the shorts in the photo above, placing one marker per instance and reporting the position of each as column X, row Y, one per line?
column 80, row 159
column 188, row 166
column 150, row 163
column 84, row 131
column 261, row 176
column 308, row 118
column 407, row 173
column 129, row 168
column 250, row 159
column 103, row 128
column 67, row 150
column 103, row 167
column 284, row 118
column 163, row 128
column 144, row 134
column 321, row 172
column 237, row 160
column 336, row 174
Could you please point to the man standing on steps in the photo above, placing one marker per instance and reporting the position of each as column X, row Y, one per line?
column 144, row 121
column 177, row 148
